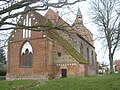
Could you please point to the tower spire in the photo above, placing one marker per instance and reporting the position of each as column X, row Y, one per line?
column 79, row 15
column 78, row 21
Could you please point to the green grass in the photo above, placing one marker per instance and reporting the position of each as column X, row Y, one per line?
column 104, row 82
column 2, row 78
column 8, row 85
column 107, row 82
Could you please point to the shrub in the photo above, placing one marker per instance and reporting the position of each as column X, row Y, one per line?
column 2, row 78
column 2, row 73
column 2, row 69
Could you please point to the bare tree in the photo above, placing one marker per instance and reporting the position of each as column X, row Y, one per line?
column 10, row 9
column 105, row 14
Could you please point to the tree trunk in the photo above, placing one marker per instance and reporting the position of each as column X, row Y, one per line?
column 111, row 63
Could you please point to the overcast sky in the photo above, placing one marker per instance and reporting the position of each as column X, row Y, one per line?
column 85, row 7
column 69, row 15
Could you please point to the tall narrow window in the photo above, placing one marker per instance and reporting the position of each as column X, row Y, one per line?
column 92, row 57
column 24, row 30
column 26, row 56
column 81, row 48
column 30, row 57
column 29, row 33
column 23, row 59
column 27, row 22
column 87, row 54
column 30, row 21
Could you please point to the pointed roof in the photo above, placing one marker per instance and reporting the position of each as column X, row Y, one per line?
column 27, row 8
column 78, row 20
column 79, row 13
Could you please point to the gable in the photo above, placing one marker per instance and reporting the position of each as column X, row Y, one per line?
column 46, row 25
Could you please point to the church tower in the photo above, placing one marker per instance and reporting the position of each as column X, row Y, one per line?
column 81, row 29
column 78, row 21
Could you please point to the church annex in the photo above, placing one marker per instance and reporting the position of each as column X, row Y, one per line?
column 50, row 53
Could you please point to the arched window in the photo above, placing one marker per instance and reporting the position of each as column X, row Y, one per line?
column 81, row 48
column 23, row 59
column 26, row 56
column 92, row 57
column 30, row 57
column 87, row 54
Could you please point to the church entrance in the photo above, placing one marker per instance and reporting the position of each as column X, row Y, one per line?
column 64, row 72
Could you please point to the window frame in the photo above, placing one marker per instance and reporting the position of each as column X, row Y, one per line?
column 26, row 60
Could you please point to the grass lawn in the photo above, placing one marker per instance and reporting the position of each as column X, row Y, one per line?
column 106, row 82
column 2, row 78
column 9, row 85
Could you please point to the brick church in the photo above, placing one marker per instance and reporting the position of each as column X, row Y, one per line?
column 51, row 48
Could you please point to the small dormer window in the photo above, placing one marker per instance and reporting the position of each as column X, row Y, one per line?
column 27, row 22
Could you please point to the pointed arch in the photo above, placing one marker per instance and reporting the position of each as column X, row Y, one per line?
column 88, row 57
column 26, row 55
column 81, row 48
column 92, row 57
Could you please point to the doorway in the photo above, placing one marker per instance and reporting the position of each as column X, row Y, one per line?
column 64, row 72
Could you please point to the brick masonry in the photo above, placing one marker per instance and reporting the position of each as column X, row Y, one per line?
column 46, row 64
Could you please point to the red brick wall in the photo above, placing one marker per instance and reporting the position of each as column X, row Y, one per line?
column 118, row 68
column 72, row 70
column 39, row 61
column 45, row 55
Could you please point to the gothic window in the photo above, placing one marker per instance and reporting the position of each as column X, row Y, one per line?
column 95, row 58
column 81, row 49
column 30, row 57
column 27, row 22
column 26, row 56
column 87, row 54
column 23, row 59
column 92, row 57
